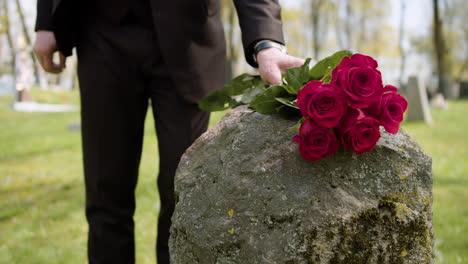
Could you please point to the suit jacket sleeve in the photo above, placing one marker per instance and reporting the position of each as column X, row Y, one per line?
column 44, row 15
column 259, row 20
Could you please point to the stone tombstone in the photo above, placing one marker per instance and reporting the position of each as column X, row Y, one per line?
column 418, row 105
column 463, row 89
column 451, row 89
column 402, row 89
column 245, row 195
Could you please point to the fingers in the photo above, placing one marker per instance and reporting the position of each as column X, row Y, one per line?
column 288, row 61
column 271, row 74
column 45, row 46
column 47, row 62
column 272, row 63
column 50, row 66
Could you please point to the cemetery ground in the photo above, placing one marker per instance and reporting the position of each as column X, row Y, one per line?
column 42, row 194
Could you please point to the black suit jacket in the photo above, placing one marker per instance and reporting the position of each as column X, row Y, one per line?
column 191, row 35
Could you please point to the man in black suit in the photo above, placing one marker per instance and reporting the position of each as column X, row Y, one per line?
column 171, row 53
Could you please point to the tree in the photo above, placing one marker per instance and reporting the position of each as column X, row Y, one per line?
column 319, row 24
column 453, row 29
column 439, row 48
column 27, row 39
column 401, row 39
column 11, row 45
column 361, row 25
column 230, row 20
column 455, row 32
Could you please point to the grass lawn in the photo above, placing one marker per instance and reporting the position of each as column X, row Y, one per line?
column 42, row 195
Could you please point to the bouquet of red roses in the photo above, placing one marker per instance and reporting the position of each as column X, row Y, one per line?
column 341, row 99
column 348, row 110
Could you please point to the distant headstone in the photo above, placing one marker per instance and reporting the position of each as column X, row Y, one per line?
column 452, row 90
column 418, row 105
column 463, row 89
column 402, row 89
column 74, row 127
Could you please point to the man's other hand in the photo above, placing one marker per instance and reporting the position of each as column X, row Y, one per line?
column 45, row 47
column 272, row 63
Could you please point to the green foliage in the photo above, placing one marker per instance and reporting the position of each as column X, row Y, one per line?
column 250, row 90
column 295, row 77
column 266, row 102
column 290, row 101
column 225, row 98
column 323, row 69
column 241, row 83
column 216, row 101
column 248, row 97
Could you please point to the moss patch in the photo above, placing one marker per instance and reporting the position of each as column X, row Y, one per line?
column 397, row 230
column 390, row 233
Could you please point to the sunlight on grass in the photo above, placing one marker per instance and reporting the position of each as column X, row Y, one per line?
column 42, row 194
column 446, row 141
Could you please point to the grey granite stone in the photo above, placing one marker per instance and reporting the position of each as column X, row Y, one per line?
column 245, row 195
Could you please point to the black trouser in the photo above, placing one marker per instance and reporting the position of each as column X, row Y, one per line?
column 120, row 70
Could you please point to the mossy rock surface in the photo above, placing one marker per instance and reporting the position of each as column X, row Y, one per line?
column 244, row 195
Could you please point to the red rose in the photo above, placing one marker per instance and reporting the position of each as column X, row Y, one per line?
column 358, row 132
column 392, row 108
column 315, row 142
column 322, row 103
column 359, row 80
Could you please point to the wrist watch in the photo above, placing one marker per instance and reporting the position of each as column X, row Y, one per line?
column 266, row 44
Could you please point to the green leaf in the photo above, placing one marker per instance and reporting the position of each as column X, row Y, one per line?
column 326, row 66
column 248, row 96
column 241, row 83
column 297, row 126
column 216, row 101
column 223, row 99
column 288, row 101
column 288, row 112
column 296, row 77
column 266, row 102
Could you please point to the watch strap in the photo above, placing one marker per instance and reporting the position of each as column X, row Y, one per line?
column 266, row 44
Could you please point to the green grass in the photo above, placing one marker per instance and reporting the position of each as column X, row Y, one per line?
column 41, row 186
column 446, row 141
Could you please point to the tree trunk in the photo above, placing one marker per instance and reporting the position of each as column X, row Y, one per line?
column 339, row 28
column 28, row 40
column 11, row 46
column 439, row 49
column 348, row 24
column 232, row 58
column 316, row 7
column 401, row 33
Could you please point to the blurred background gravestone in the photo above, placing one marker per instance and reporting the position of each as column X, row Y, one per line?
column 452, row 90
column 418, row 105
column 463, row 89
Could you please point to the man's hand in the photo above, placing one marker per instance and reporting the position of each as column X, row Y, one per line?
column 272, row 63
column 45, row 47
